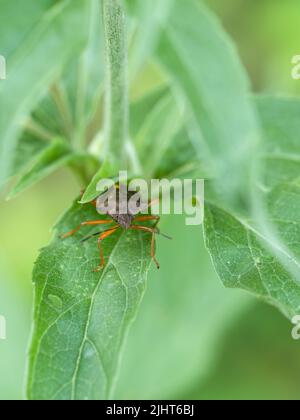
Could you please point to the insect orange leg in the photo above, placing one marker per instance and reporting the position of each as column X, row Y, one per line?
column 103, row 236
column 90, row 223
column 153, row 231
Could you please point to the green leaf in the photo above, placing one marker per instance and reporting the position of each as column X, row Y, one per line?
column 243, row 256
column 204, row 67
column 36, row 63
column 91, row 192
column 81, row 317
column 243, row 260
column 53, row 157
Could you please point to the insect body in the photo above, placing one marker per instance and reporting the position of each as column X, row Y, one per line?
column 118, row 220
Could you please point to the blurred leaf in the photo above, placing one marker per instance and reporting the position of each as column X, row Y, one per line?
column 140, row 109
column 53, row 157
column 81, row 317
column 181, row 159
column 81, row 86
column 148, row 17
column 47, row 114
column 84, row 79
column 36, row 63
column 280, row 119
column 157, row 132
column 203, row 64
column 15, row 306
column 24, row 16
column 244, row 257
column 158, row 128
column 27, row 149
column 162, row 138
column 182, row 322
column 257, row 361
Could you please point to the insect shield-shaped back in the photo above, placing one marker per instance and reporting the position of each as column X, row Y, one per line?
column 120, row 204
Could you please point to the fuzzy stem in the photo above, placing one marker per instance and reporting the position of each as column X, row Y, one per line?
column 116, row 89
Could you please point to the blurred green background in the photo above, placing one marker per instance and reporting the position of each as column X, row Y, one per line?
column 193, row 338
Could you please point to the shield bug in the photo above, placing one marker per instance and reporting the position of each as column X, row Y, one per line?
column 115, row 204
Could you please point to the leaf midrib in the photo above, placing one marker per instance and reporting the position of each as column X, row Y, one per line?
column 85, row 337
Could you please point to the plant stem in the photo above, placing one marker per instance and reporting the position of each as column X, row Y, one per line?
column 116, row 90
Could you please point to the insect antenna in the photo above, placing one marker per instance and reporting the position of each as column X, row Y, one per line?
column 165, row 236
column 86, row 238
